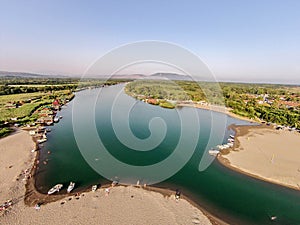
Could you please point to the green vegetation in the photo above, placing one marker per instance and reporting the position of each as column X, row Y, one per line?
column 5, row 131
column 20, row 98
column 32, row 85
column 269, row 102
column 21, row 106
column 166, row 104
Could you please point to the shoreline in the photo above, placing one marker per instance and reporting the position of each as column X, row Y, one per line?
column 242, row 131
column 219, row 109
column 31, row 196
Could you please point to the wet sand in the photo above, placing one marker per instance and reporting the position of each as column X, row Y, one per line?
column 124, row 205
column 265, row 153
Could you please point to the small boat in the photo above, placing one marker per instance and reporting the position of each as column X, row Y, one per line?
column 213, row 152
column 230, row 139
column 225, row 146
column 94, row 187
column 71, row 187
column 114, row 183
column 56, row 188
column 273, row 218
column 60, row 117
column 56, row 119
column 231, row 136
column 230, row 144
column 41, row 140
column 48, row 130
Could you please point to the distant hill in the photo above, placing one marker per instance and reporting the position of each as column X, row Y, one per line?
column 170, row 76
column 131, row 76
column 156, row 76
column 6, row 74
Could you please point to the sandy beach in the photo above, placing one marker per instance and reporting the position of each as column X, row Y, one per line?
column 123, row 205
column 16, row 157
column 266, row 153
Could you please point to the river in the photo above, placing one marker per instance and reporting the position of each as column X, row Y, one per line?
column 231, row 196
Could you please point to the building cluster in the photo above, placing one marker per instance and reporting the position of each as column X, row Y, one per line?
column 46, row 115
column 281, row 100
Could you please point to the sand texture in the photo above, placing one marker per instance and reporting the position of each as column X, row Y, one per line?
column 124, row 205
column 269, row 154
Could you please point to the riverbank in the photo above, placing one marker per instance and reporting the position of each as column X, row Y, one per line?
column 16, row 162
column 266, row 153
column 124, row 205
column 217, row 108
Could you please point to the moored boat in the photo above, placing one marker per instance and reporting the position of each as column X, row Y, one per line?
column 56, row 188
column 230, row 144
column 71, row 187
column 213, row 152
column 94, row 187
column 114, row 183
column 42, row 140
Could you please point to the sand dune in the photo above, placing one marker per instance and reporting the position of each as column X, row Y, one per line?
column 269, row 154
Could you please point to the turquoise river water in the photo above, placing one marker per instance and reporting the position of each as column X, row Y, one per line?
column 231, row 196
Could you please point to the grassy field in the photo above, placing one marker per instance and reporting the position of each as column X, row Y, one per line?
column 40, row 85
column 19, row 97
column 27, row 109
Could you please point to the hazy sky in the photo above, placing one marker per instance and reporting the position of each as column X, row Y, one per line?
column 238, row 40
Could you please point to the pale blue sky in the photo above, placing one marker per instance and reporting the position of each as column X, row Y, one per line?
column 238, row 40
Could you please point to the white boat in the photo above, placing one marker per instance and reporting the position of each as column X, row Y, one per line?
column 231, row 136
column 42, row 140
column 71, row 187
column 219, row 146
column 114, row 183
column 213, row 152
column 230, row 144
column 273, row 218
column 56, row 119
column 56, row 188
column 94, row 187
column 230, row 139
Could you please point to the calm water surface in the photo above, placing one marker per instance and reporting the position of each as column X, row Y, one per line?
column 231, row 196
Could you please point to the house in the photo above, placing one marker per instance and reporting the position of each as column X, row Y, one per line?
column 152, row 101
column 56, row 104
column 45, row 120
